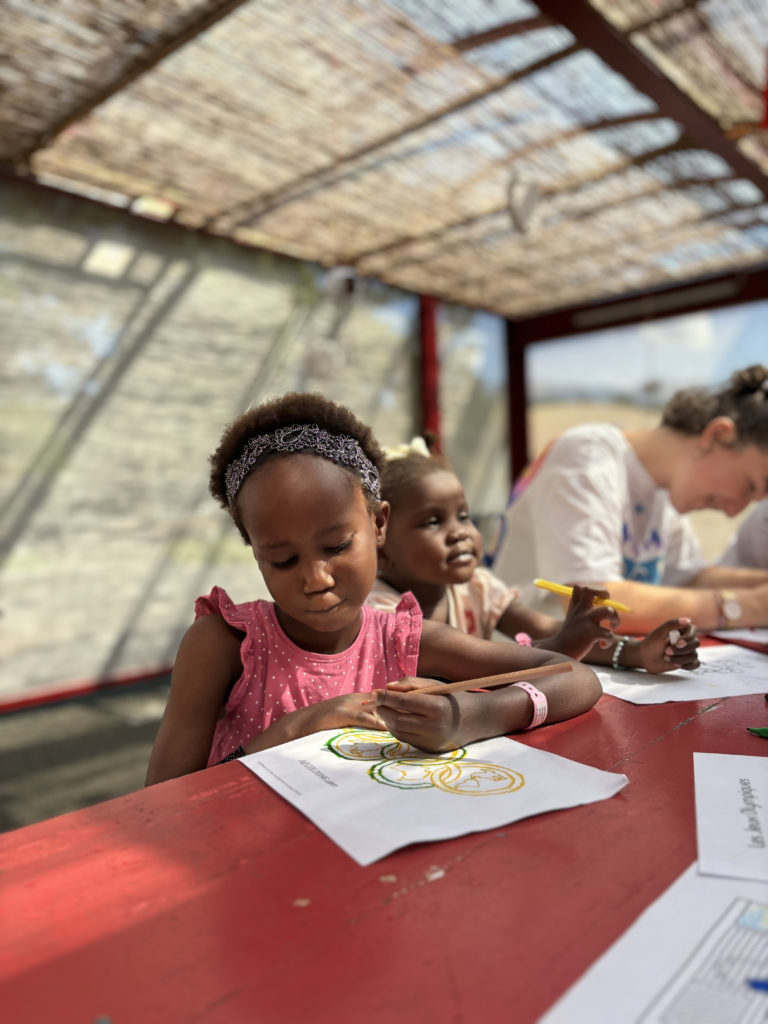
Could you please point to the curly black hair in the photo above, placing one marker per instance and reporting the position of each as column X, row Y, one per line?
column 296, row 407
column 402, row 471
column 744, row 398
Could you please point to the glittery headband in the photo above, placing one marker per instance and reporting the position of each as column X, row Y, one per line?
column 339, row 448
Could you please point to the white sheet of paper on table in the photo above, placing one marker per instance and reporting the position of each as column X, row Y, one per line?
column 725, row 671
column 755, row 636
column 685, row 960
column 732, row 815
column 372, row 794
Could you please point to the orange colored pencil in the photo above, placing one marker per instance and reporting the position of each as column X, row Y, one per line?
column 486, row 682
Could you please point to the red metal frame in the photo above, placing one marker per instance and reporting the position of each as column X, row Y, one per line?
column 55, row 693
column 429, row 367
column 517, row 402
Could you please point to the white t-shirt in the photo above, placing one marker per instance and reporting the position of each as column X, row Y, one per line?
column 592, row 513
column 749, row 545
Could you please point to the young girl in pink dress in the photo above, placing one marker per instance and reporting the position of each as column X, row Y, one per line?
column 300, row 478
column 433, row 550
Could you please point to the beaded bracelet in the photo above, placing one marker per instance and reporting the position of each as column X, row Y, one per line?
column 617, row 653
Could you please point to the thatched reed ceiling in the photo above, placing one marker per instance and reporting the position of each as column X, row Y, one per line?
column 390, row 135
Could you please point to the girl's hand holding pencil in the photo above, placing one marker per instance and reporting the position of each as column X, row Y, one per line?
column 602, row 597
column 413, row 715
column 588, row 620
column 672, row 645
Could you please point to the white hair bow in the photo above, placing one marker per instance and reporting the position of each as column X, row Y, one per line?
column 418, row 446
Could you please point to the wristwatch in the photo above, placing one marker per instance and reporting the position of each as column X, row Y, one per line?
column 728, row 608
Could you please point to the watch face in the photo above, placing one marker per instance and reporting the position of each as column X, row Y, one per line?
column 731, row 608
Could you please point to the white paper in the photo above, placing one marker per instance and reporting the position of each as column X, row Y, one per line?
column 754, row 636
column 732, row 815
column 725, row 671
column 372, row 794
column 685, row 960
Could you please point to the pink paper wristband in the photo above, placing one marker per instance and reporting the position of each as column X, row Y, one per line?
column 539, row 704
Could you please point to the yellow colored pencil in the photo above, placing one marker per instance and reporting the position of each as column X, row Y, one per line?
column 559, row 588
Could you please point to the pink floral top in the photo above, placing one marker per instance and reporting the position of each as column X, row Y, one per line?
column 279, row 677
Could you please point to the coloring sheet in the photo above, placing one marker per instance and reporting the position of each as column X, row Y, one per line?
column 372, row 794
column 686, row 960
column 732, row 815
column 725, row 671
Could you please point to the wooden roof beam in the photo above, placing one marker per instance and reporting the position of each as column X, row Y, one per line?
column 686, row 297
column 615, row 50
column 493, row 35
column 213, row 14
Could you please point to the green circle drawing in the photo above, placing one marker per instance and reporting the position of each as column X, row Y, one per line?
column 370, row 745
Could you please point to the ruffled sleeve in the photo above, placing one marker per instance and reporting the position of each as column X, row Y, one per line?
column 218, row 602
column 240, row 617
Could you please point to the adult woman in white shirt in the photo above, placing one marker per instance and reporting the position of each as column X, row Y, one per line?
column 607, row 508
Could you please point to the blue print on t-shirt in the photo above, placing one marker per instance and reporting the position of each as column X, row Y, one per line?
column 643, row 572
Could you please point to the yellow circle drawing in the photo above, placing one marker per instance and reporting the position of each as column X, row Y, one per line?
column 370, row 745
column 465, row 777
column 477, row 778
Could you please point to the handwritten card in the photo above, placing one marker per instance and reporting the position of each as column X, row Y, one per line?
column 732, row 814
column 372, row 794
column 725, row 671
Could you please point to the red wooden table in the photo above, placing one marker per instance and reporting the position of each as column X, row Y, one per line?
column 210, row 899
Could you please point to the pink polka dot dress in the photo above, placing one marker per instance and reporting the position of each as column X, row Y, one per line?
column 279, row 677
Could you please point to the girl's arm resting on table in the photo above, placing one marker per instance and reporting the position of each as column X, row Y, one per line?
column 207, row 664
column 519, row 618
column 447, row 653
column 651, row 605
column 434, row 722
